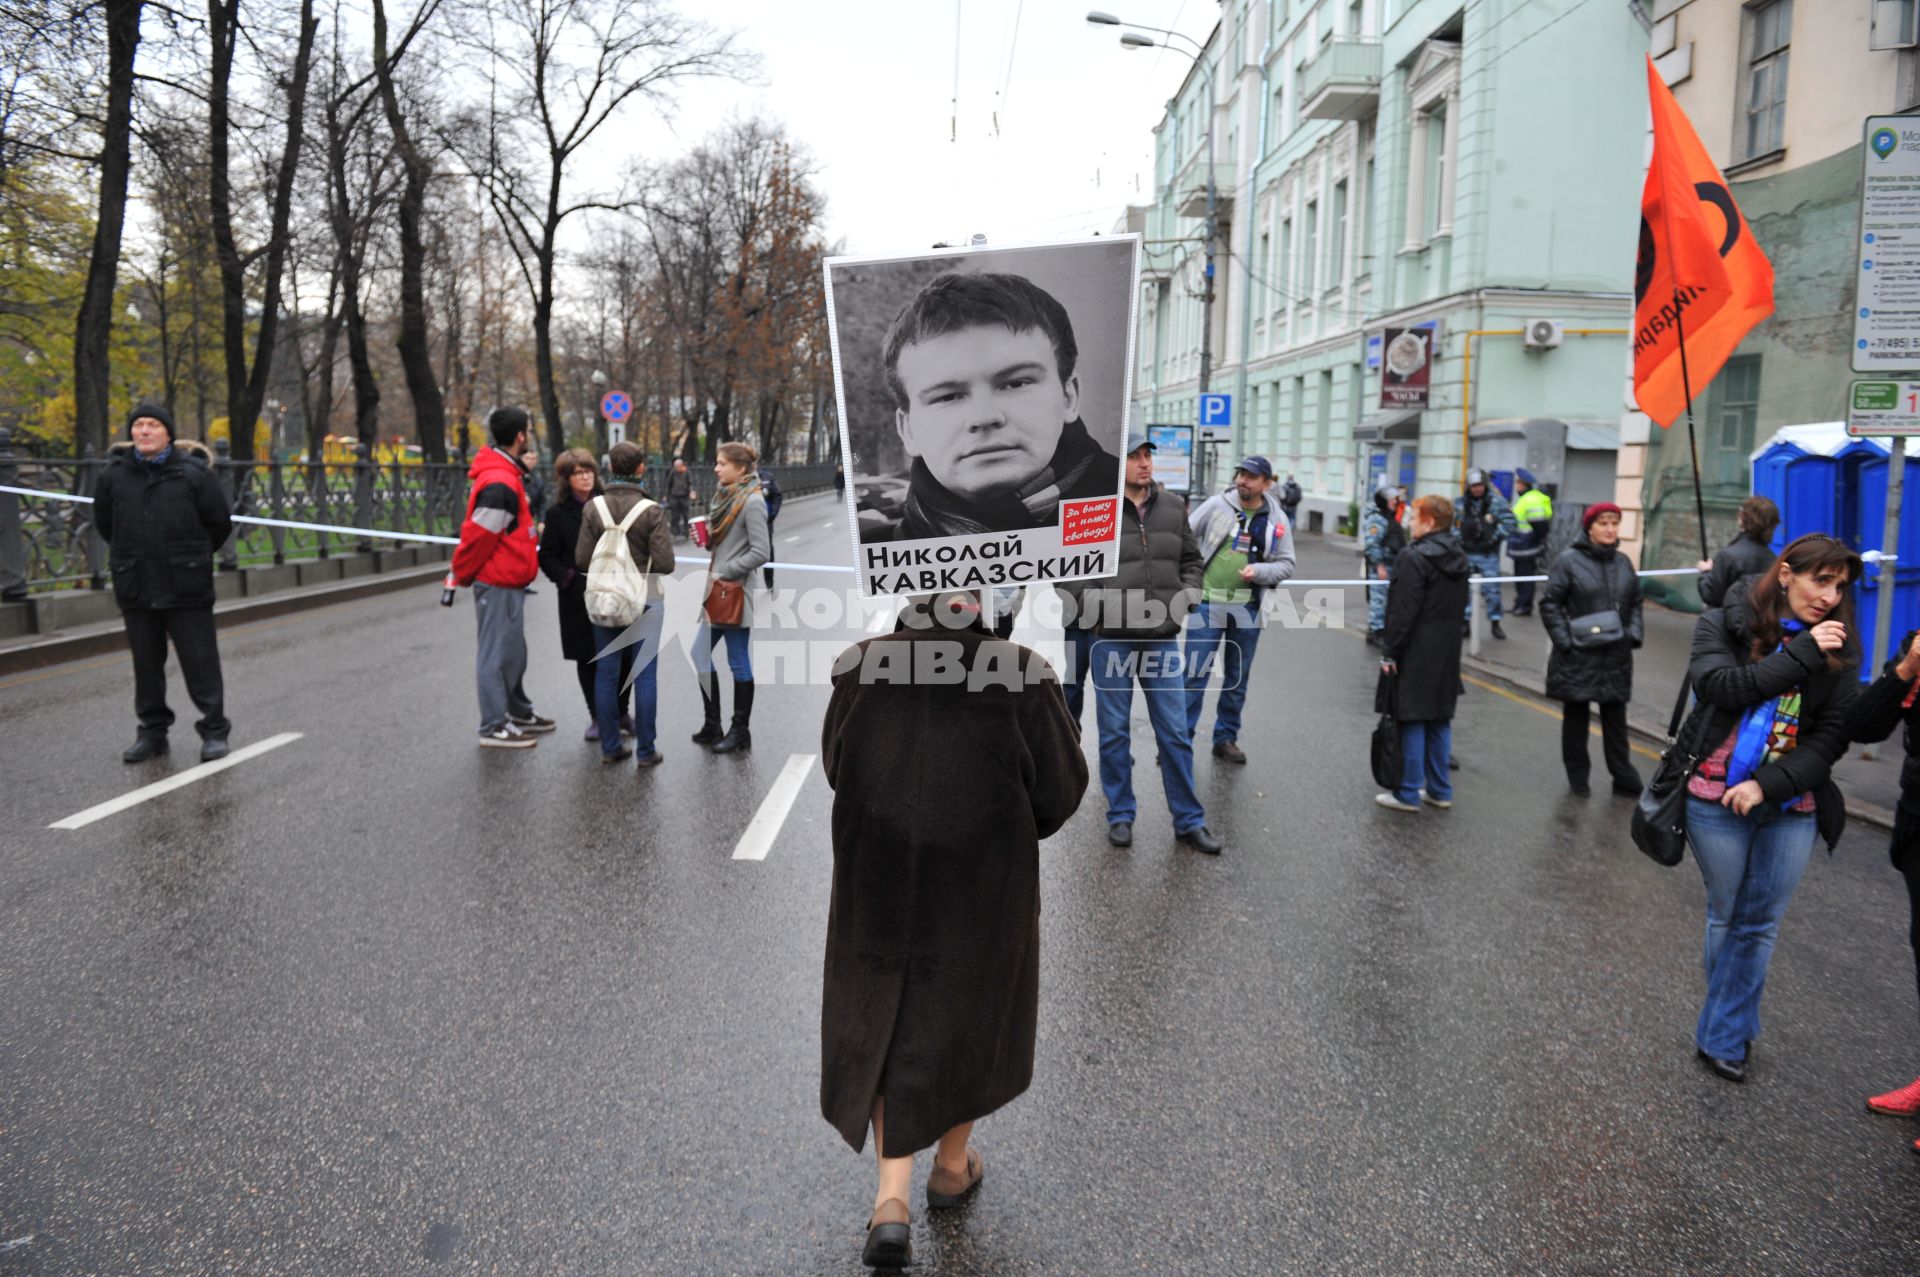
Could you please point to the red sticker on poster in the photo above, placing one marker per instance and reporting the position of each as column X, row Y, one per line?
column 1087, row 522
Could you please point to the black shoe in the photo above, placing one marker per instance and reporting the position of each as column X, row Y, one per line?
column 213, row 749
column 1201, row 840
column 1627, row 791
column 620, row 755
column 738, row 737
column 737, row 740
column 1374, row 638
column 653, row 759
column 889, row 1237
column 1230, row 752
column 1732, row 1070
column 1521, row 611
column 709, row 732
column 144, row 748
column 1498, row 632
column 1120, row 833
column 1579, row 789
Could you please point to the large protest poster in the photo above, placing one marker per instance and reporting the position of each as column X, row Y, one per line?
column 983, row 411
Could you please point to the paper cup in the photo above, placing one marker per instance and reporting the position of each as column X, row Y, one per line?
column 700, row 530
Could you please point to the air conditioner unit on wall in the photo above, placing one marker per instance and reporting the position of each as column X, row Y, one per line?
column 1896, row 25
column 1544, row 334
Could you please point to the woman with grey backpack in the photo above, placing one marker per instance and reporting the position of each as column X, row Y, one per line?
column 622, row 602
column 1591, row 609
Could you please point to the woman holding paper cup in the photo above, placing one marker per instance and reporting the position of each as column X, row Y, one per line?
column 740, row 541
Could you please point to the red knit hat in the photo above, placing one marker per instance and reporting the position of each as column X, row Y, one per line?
column 1595, row 510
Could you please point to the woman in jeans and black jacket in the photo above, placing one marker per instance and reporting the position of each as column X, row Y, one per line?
column 1593, row 583
column 1773, row 674
column 1893, row 700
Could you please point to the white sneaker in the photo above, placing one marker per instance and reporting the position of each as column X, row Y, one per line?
column 1442, row 803
column 533, row 725
column 1391, row 801
column 508, row 737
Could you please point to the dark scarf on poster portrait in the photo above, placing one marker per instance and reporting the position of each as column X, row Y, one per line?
column 1079, row 468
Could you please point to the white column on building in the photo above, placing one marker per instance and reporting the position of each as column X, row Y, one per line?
column 1416, row 181
column 1451, row 143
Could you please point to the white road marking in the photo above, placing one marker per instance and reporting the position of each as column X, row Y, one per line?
column 173, row 782
column 827, row 524
column 789, row 540
column 765, row 825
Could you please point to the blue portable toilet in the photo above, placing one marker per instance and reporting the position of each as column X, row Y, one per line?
column 1870, row 520
column 1804, row 470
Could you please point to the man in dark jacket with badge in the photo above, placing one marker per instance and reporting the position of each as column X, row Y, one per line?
column 163, row 518
column 1420, row 655
column 1135, row 617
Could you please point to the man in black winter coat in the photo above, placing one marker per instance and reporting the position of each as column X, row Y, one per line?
column 163, row 518
column 1420, row 654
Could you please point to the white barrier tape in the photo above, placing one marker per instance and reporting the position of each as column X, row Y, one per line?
column 425, row 537
column 1870, row 555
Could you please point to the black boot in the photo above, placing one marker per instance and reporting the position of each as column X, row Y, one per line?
column 738, row 737
column 710, row 702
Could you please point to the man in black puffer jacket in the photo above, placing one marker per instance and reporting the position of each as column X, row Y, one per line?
column 163, row 518
column 1132, row 620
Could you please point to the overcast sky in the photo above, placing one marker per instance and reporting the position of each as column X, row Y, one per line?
column 867, row 86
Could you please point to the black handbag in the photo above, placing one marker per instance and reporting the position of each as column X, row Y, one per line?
column 1660, row 817
column 1596, row 629
column 1387, row 769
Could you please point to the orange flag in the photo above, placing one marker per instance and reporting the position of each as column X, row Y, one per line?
column 1701, row 273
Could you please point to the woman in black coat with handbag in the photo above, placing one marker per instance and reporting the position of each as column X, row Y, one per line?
column 1773, row 672
column 578, row 482
column 1420, row 655
column 1591, row 609
column 1894, row 700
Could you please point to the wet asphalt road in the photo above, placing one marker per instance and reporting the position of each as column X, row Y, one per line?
column 379, row 1002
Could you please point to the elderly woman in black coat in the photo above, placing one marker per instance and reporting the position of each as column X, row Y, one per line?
column 951, row 755
column 577, row 482
column 1591, row 609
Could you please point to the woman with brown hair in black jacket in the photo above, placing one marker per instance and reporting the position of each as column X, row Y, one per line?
column 1591, row 608
column 1773, row 672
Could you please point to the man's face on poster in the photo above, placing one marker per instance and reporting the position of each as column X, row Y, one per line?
column 985, row 407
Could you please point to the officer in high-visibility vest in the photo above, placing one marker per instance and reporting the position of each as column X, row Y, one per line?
column 1533, row 517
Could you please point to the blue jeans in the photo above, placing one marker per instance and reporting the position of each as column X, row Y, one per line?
column 1751, row 865
column 1239, row 624
column 607, row 692
column 1079, row 661
column 1424, row 749
column 739, row 662
column 1486, row 565
column 1155, row 664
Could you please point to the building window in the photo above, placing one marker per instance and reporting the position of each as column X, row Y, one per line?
column 1308, row 265
column 1365, row 265
column 1284, row 275
column 1337, row 237
column 1276, row 116
column 1323, row 422
column 1257, row 294
column 1435, row 163
column 1736, row 409
column 1356, row 18
column 1769, row 26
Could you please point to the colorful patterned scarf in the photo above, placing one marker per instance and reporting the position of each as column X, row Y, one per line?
column 1769, row 731
column 729, row 499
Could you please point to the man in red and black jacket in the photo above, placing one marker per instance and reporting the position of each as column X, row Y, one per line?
column 498, row 556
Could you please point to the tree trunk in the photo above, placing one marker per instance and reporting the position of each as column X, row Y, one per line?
column 247, row 389
column 93, row 329
column 416, row 358
column 543, row 347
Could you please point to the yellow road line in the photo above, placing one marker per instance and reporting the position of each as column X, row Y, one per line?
column 1531, row 704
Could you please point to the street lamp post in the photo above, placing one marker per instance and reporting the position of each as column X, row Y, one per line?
column 1131, row 40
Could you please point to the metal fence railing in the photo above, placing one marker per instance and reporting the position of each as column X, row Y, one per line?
column 52, row 545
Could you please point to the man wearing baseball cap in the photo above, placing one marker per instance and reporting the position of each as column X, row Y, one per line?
column 1135, row 617
column 1246, row 541
column 1485, row 521
column 163, row 518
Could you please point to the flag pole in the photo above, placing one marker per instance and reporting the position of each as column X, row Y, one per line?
column 1693, row 446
